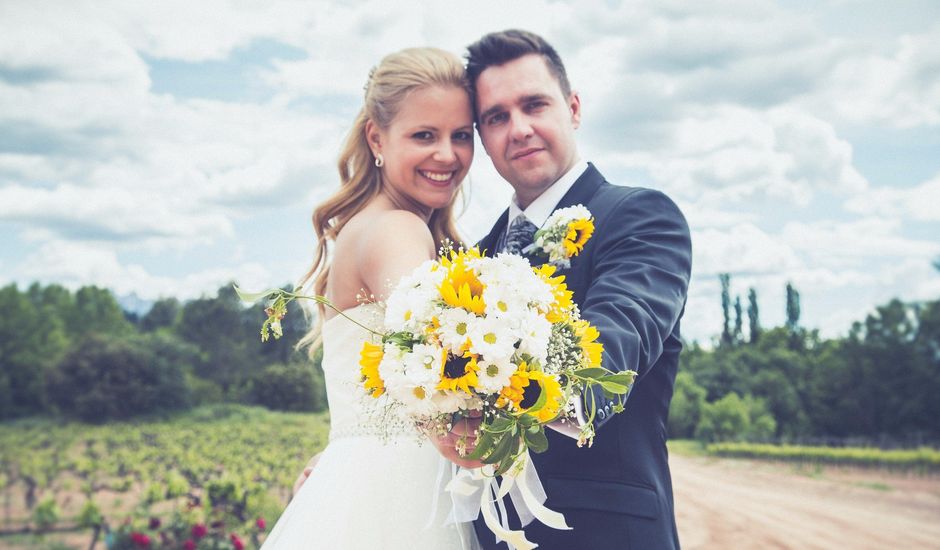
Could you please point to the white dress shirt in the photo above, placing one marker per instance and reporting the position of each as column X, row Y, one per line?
column 538, row 213
column 542, row 207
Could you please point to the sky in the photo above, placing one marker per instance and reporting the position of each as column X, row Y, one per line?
column 167, row 148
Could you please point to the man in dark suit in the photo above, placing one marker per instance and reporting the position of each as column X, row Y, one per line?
column 630, row 282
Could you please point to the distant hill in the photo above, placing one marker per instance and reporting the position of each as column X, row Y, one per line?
column 132, row 303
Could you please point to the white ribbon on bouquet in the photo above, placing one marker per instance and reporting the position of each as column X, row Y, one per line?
column 471, row 491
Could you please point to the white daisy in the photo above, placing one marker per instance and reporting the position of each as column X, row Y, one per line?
column 493, row 338
column 494, row 375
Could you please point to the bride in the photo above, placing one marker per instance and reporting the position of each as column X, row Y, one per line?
column 375, row 485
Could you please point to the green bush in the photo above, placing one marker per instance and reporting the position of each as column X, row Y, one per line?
column 105, row 378
column 688, row 399
column 732, row 418
column 288, row 387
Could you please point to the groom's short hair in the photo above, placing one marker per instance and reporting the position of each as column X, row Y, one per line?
column 498, row 48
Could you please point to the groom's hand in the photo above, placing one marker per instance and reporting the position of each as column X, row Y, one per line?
column 461, row 437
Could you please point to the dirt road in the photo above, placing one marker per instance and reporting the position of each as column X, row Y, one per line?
column 739, row 504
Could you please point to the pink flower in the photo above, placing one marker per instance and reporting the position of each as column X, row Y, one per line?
column 199, row 530
column 237, row 542
column 190, row 544
column 261, row 524
column 140, row 540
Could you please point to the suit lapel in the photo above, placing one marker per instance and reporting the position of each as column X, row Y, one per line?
column 583, row 189
column 580, row 193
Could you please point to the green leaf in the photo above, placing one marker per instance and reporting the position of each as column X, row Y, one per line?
column 593, row 373
column 501, row 424
column 483, row 447
column 255, row 296
column 624, row 378
column 536, row 442
column 501, row 450
column 613, row 387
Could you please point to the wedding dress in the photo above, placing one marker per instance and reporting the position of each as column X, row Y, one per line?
column 376, row 486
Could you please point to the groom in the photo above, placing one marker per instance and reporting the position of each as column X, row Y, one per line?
column 630, row 282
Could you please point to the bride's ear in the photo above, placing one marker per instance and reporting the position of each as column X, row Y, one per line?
column 373, row 137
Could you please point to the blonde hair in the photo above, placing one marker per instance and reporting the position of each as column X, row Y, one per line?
column 390, row 83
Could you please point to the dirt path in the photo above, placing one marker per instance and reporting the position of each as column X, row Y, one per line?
column 740, row 504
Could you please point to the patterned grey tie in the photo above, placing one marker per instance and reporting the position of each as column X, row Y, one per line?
column 519, row 235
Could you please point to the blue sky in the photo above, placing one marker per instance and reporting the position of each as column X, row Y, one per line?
column 167, row 148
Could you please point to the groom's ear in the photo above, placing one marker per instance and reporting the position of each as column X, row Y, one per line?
column 574, row 105
column 373, row 137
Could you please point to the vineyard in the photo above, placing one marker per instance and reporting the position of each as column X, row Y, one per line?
column 216, row 477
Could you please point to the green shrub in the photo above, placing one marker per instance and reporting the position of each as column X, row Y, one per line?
column 105, row 378
column 288, row 387
column 732, row 418
column 688, row 399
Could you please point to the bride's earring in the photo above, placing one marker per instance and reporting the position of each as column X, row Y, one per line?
column 379, row 160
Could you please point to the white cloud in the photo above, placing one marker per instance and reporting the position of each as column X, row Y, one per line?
column 77, row 264
column 899, row 89
column 733, row 154
column 844, row 245
column 739, row 109
column 741, row 249
column 920, row 203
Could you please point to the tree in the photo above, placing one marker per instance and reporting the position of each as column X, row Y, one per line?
column 163, row 314
column 96, row 311
column 688, row 398
column 725, row 279
column 229, row 348
column 23, row 358
column 733, row 418
column 753, row 316
column 738, row 320
column 793, row 316
column 288, row 387
column 793, row 308
column 110, row 378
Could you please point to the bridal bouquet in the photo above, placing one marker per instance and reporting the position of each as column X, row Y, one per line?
column 493, row 337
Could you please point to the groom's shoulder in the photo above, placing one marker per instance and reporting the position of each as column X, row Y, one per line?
column 642, row 200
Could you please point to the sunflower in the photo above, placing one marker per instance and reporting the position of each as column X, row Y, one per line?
column 459, row 373
column 587, row 336
column 370, row 357
column 579, row 231
column 514, row 392
column 563, row 304
column 461, row 287
column 540, row 382
column 525, row 390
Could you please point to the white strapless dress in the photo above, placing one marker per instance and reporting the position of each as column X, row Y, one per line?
column 375, row 486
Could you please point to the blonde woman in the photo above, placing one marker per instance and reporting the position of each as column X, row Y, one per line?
column 375, row 485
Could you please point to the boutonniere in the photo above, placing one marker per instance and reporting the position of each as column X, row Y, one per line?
column 564, row 235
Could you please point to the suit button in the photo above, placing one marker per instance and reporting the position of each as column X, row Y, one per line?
column 601, row 414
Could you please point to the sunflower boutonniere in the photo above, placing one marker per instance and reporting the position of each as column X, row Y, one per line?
column 564, row 235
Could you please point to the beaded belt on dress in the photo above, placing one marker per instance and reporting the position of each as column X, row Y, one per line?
column 376, row 432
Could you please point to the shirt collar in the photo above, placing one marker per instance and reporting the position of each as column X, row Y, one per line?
column 542, row 207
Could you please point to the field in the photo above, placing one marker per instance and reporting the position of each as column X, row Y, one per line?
column 241, row 459
column 250, row 457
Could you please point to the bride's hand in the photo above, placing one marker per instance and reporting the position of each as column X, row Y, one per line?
column 459, row 441
column 305, row 474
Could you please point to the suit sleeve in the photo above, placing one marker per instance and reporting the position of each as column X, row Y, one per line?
column 641, row 269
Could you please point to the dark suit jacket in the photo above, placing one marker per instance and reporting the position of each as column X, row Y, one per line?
column 630, row 282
